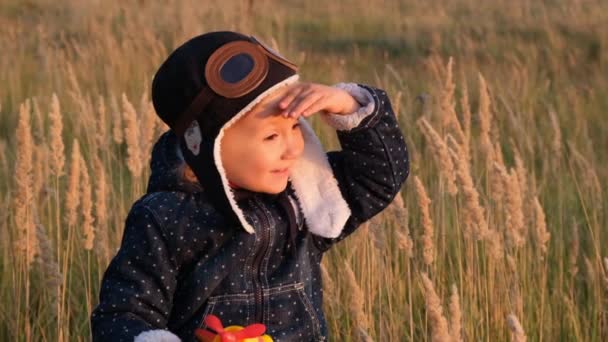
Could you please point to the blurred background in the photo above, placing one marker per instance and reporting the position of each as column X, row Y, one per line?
column 498, row 234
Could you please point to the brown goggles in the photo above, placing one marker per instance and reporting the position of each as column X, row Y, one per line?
column 232, row 71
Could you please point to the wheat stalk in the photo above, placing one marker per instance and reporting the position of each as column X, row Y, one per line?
column 435, row 66
column 497, row 153
column 466, row 117
column 357, row 299
column 590, row 177
column 378, row 235
column 446, row 165
column 3, row 158
column 328, row 283
column 117, row 127
column 101, row 211
column 363, row 336
column 521, row 170
column 148, row 122
column 26, row 241
column 72, row 199
column 455, row 316
column 542, row 235
column 591, row 273
column 513, row 210
column 447, row 104
column 53, row 278
column 39, row 127
column 474, row 211
column 517, row 331
column 132, row 136
column 556, row 144
column 485, row 120
column 515, row 297
column 573, row 251
column 397, row 215
column 606, row 273
column 40, row 159
column 87, row 206
column 515, row 216
column 101, row 133
column 428, row 249
column 404, row 240
column 56, row 143
column 497, row 183
column 439, row 324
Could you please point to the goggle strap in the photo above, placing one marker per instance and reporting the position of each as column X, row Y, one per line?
column 196, row 107
column 274, row 54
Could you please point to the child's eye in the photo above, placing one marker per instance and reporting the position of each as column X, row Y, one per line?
column 271, row 137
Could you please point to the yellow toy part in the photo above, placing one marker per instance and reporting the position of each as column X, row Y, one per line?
column 233, row 333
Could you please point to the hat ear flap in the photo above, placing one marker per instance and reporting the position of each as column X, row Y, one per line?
column 204, row 167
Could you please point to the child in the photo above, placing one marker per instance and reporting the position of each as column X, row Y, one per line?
column 242, row 201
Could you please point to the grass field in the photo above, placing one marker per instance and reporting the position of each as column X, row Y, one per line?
column 499, row 234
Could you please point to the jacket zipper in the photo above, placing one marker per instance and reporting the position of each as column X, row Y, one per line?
column 258, row 290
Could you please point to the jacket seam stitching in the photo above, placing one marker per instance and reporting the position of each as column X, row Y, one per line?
column 164, row 233
column 391, row 162
column 375, row 116
column 382, row 108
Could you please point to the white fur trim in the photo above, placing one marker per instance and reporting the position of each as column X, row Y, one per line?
column 217, row 146
column 312, row 178
column 350, row 121
column 158, row 335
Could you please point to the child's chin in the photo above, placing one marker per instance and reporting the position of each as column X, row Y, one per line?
column 276, row 189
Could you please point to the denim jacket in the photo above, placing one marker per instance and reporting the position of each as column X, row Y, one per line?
column 180, row 260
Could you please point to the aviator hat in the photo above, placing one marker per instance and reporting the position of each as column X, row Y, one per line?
column 213, row 80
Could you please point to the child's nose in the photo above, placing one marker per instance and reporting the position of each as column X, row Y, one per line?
column 293, row 147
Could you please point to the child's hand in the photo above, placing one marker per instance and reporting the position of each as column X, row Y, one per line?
column 309, row 98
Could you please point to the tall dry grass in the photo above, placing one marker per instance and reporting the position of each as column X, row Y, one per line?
column 499, row 234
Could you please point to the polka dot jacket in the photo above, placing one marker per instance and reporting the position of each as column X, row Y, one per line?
column 180, row 260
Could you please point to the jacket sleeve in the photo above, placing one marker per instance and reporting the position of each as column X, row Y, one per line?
column 373, row 163
column 137, row 287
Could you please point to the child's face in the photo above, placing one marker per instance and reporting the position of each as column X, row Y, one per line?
column 259, row 144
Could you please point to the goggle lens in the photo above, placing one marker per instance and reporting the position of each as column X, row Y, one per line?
column 237, row 68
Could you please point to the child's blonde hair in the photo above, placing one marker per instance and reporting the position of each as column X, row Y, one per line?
column 185, row 173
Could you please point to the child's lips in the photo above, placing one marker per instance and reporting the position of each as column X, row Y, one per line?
column 281, row 171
